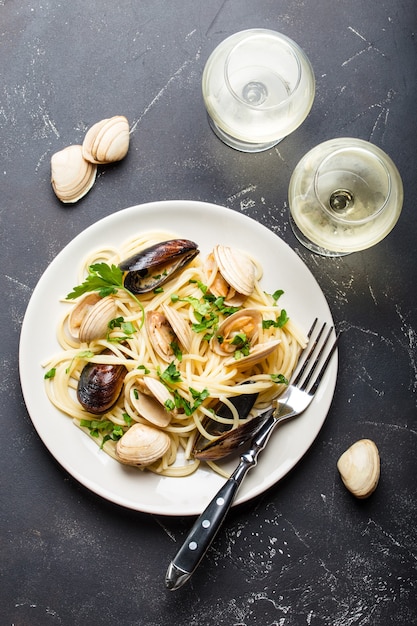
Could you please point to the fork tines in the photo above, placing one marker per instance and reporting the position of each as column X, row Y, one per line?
column 313, row 354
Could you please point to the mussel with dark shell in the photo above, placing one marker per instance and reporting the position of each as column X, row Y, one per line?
column 227, row 439
column 153, row 266
column 100, row 386
column 232, row 440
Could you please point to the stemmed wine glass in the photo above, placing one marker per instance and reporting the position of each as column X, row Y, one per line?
column 258, row 86
column 344, row 195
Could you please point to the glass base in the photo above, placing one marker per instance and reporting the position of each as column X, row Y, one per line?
column 307, row 243
column 237, row 144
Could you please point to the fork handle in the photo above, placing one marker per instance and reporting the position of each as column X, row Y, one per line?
column 208, row 523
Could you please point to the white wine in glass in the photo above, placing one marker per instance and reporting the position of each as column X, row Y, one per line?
column 258, row 87
column 344, row 195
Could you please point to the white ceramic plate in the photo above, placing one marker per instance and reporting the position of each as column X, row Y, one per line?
column 207, row 225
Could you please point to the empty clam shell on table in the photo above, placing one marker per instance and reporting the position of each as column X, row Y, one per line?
column 359, row 468
column 71, row 175
column 107, row 141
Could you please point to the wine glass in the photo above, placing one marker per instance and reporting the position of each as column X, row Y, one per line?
column 258, row 86
column 344, row 195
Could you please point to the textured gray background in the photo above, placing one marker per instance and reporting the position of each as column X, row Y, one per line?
column 305, row 552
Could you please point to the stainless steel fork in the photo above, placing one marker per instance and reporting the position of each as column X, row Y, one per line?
column 293, row 402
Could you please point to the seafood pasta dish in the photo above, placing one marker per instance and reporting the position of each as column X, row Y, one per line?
column 163, row 351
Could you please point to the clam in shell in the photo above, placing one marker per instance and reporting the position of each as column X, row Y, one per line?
column 242, row 324
column 359, row 468
column 90, row 317
column 71, row 175
column 149, row 398
column 230, row 274
column 166, row 328
column 142, row 445
column 257, row 354
column 107, row 141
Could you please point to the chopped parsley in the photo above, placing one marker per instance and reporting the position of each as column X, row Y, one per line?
column 278, row 323
column 280, row 379
column 277, row 294
column 170, row 375
column 106, row 279
column 241, row 342
column 126, row 327
column 186, row 405
column 106, row 429
column 207, row 310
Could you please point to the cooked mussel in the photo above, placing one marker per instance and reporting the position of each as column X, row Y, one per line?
column 153, row 266
column 224, row 443
column 232, row 440
column 100, row 386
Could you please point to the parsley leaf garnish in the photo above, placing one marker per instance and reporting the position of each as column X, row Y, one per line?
column 106, row 279
column 206, row 311
column 279, row 323
column 277, row 294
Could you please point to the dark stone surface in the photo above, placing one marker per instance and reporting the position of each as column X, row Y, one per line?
column 305, row 552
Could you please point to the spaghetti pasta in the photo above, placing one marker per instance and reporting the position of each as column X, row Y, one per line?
column 197, row 378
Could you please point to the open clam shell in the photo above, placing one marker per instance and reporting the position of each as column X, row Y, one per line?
column 149, row 398
column 90, row 317
column 166, row 328
column 230, row 274
column 71, row 175
column 107, row 141
column 257, row 354
column 160, row 334
column 180, row 327
column 245, row 323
